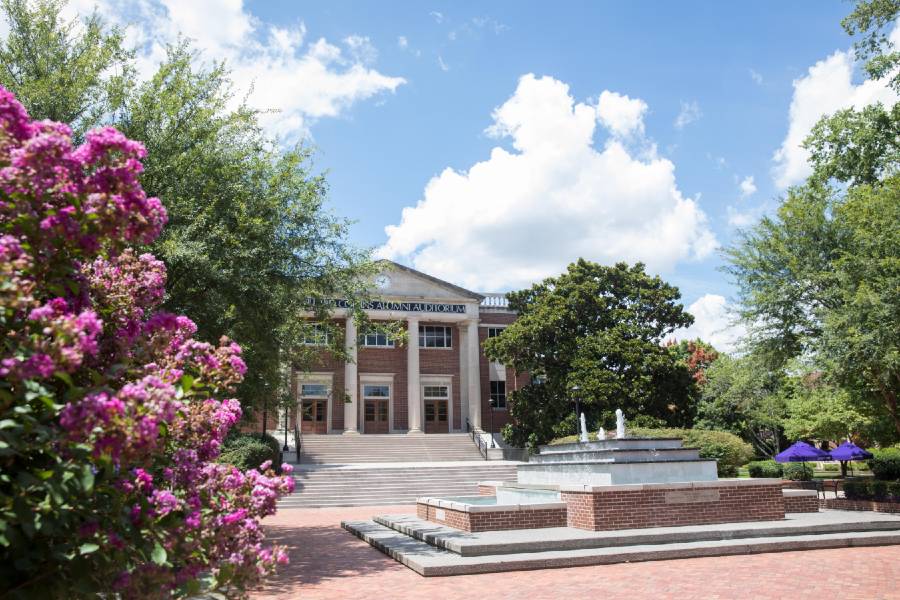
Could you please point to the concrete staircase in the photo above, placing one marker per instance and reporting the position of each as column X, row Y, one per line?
column 373, row 485
column 355, row 449
column 361, row 470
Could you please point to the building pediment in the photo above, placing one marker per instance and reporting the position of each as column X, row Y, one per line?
column 396, row 281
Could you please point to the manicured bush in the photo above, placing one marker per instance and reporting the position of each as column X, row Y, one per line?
column 886, row 464
column 798, row 471
column 765, row 468
column 729, row 450
column 249, row 450
column 872, row 489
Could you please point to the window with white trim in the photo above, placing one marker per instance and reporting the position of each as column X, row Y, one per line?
column 376, row 340
column 318, row 335
column 498, row 394
column 439, row 392
column 376, row 391
column 435, row 336
column 494, row 331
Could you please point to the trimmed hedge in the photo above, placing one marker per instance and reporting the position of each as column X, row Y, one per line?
column 872, row 489
column 798, row 471
column 765, row 468
column 248, row 451
column 886, row 464
column 729, row 450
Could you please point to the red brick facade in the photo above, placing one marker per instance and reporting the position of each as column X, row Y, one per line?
column 671, row 505
column 805, row 503
column 845, row 504
column 493, row 520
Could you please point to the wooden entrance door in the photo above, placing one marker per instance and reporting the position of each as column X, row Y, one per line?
column 437, row 404
column 314, row 416
column 376, row 408
column 376, row 415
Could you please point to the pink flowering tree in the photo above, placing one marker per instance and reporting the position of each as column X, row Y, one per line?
column 111, row 414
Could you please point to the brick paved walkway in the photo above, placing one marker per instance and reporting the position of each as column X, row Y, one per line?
column 327, row 562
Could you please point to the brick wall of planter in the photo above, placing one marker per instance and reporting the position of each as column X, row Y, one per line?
column 637, row 506
column 494, row 520
column 801, row 504
column 845, row 504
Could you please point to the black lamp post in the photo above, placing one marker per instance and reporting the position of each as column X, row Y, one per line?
column 491, row 404
column 265, row 407
column 286, row 411
column 577, row 397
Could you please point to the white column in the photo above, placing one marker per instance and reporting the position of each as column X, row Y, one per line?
column 464, row 408
column 474, row 374
column 351, row 409
column 413, row 389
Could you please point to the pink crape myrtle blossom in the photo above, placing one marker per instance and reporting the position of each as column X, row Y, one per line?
column 107, row 402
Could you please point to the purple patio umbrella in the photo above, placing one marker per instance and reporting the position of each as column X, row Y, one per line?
column 846, row 452
column 801, row 452
column 849, row 451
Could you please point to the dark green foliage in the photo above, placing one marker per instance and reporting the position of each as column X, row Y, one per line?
column 249, row 450
column 872, row 489
column 249, row 236
column 798, row 471
column 765, row 468
column 886, row 464
column 598, row 328
column 729, row 450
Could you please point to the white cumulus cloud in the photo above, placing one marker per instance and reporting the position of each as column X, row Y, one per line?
column 714, row 324
column 622, row 115
column 522, row 215
column 826, row 88
column 273, row 66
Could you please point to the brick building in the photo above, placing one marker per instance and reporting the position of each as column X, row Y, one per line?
column 438, row 382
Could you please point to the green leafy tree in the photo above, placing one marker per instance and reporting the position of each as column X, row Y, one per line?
column 76, row 73
column 249, row 237
column 598, row 328
column 820, row 279
column 746, row 397
column 820, row 410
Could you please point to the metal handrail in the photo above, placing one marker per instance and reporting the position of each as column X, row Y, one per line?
column 476, row 437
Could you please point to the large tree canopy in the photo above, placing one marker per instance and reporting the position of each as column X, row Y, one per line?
column 820, row 279
column 249, row 237
column 599, row 329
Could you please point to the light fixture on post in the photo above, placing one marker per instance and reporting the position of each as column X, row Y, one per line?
column 575, row 392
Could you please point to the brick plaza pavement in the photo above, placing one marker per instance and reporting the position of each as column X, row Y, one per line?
column 328, row 562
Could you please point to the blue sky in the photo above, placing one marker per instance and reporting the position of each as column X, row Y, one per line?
column 636, row 137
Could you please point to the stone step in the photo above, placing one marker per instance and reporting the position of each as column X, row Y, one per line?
column 378, row 485
column 567, row 538
column 617, row 454
column 346, row 449
column 429, row 561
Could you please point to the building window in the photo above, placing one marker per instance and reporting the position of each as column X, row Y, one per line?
column 376, row 340
column 498, row 394
column 376, row 391
column 318, row 335
column 494, row 331
column 311, row 390
column 441, row 392
column 435, row 336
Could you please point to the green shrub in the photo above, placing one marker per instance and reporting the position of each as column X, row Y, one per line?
column 248, row 451
column 872, row 489
column 765, row 468
column 798, row 471
column 886, row 464
column 729, row 450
